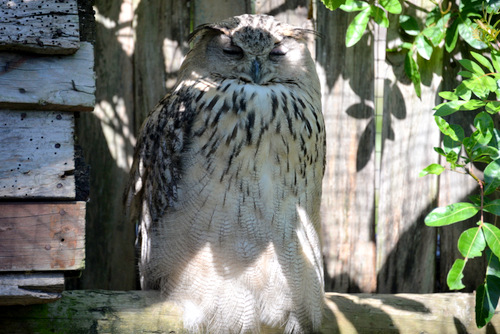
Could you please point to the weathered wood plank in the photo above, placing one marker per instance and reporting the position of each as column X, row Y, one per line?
column 348, row 186
column 31, row 288
column 294, row 12
column 406, row 247
column 48, row 82
column 37, row 153
column 42, row 236
column 207, row 11
column 147, row 312
column 161, row 43
column 40, row 26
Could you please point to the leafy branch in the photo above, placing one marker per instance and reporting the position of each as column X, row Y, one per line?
column 476, row 23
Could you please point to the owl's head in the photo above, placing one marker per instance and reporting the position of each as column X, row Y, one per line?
column 255, row 49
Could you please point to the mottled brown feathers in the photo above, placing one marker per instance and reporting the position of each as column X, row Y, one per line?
column 226, row 182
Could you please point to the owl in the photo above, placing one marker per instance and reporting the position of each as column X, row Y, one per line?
column 226, row 182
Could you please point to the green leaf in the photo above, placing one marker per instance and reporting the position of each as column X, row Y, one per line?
column 450, row 214
column 473, row 104
column 448, row 108
column 449, row 143
column 482, row 60
column 495, row 60
column 424, row 47
column 357, row 27
column 432, row 169
column 380, row 16
column 435, row 34
column 466, row 74
column 450, row 96
column 463, row 92
column 481, row 86
column 493, row 268
column 493, row 107
column 333, row 4
column 478, row 138
column 493, row 207
column 492, row 236
column 411, row 70
column 440, row 151
column 451, row 37
column 452, row 158
column 392, row 6
column 471, row 66
column 445, row 128
column 495, row 141
column 354, row 6
column 465, row 30
column 433, row 17
column 484, row 154
column 484, row 124
column 492, row 177
column 471, row 243
column 469, row 143
column 455, row 275
column 409, row 24
column 487, row 294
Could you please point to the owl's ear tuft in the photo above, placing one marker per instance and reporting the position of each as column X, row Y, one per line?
column 224, row 27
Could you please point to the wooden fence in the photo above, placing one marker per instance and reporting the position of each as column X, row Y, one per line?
column 374, row 202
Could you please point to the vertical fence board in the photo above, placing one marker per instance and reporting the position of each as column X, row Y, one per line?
column 406, row 248
column 207, row 11
column 162, row 30
column 348, row 186
column 105, row 137
column 294, row 12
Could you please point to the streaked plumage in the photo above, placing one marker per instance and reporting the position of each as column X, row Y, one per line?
column 226, row 182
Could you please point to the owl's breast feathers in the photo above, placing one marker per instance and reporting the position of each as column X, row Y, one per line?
column 226, row 182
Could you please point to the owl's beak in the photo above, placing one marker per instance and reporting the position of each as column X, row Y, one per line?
column 255, row 71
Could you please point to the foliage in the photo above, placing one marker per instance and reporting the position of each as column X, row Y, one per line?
column 477, row 23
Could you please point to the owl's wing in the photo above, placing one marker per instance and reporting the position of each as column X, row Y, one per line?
column 156, row 169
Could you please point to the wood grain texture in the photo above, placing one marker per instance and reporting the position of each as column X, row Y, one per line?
column 37, row 154
column 106, row 136
column 147, row 312
column 348, row 199
column 158, row 56
column 48, row 82
column 30, row 288
column 39, row 26
column 406, row 247
column 208, row 11
column 42, row 236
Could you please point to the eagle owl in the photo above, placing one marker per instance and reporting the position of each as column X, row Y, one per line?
column 226, row 182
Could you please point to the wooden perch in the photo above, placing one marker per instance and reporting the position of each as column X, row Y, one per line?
column 146, row 312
